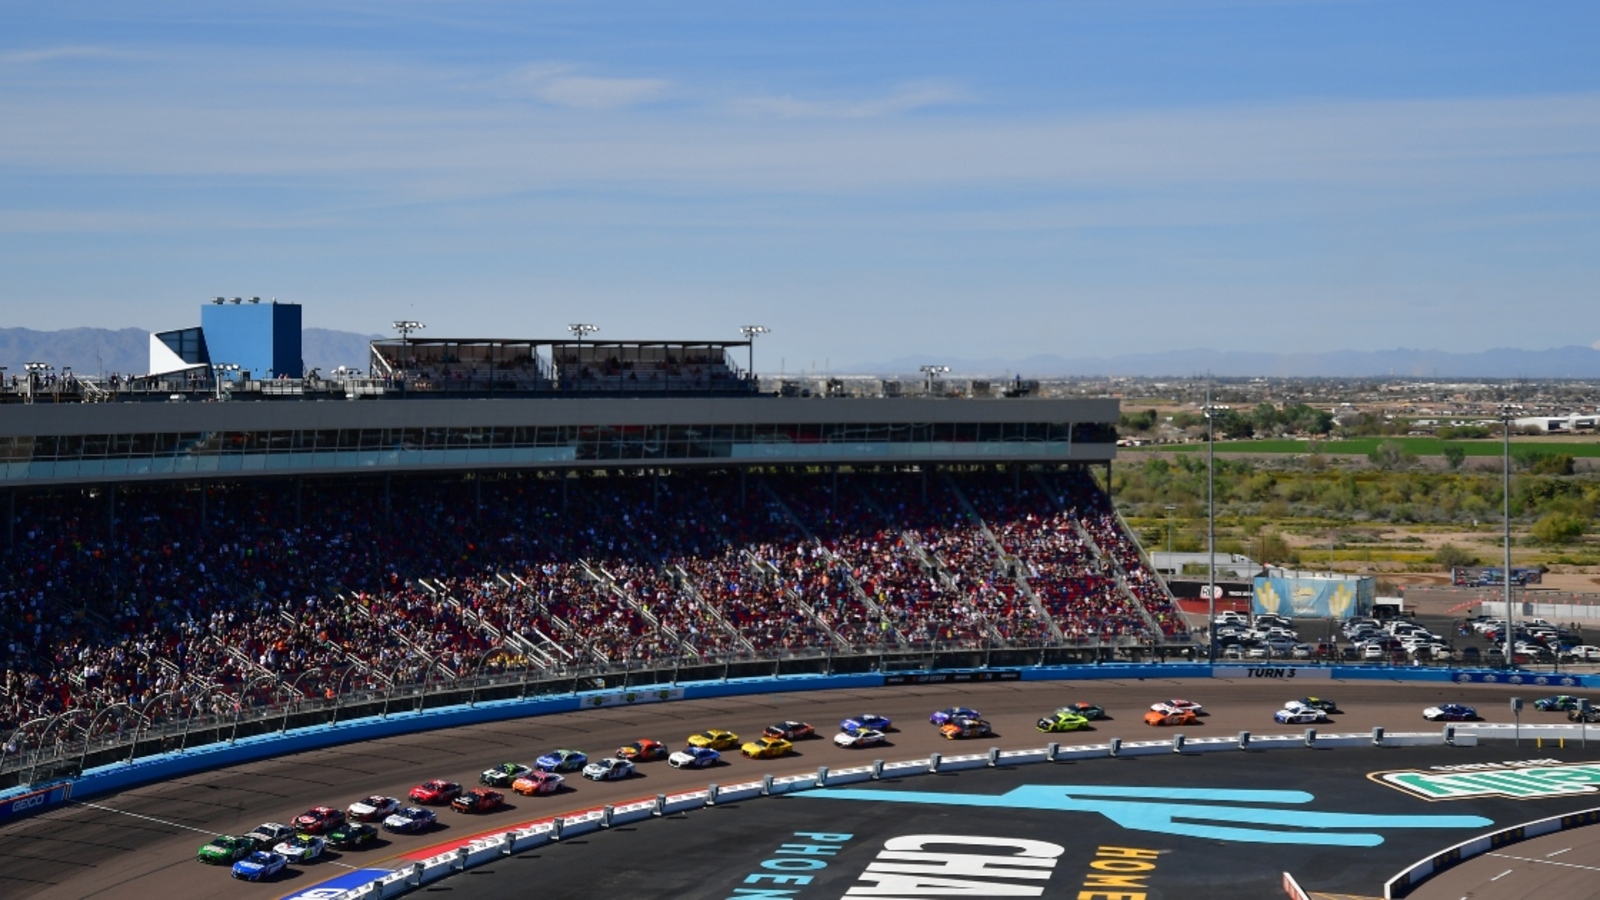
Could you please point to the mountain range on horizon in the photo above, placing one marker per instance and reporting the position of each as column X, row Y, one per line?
column 126, row 350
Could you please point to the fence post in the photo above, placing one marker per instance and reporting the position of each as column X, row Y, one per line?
column 1311, row 737
column 661, row 805
column 1177, row 743
column 877, row 769
column 933, row 762
column 1051, row 750
column 1377, row 736
column 606, row 814
column 994, row 757
column 1115, row 746
column 822, row 776
column 711, row 794
column 766, row 785
column 1244, row 740
column 556, row 826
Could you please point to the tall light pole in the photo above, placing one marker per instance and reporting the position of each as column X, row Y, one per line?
column 751, row 332
column 1211, row 529
column 1505, row 487
column 929, row 371
column 36, row 371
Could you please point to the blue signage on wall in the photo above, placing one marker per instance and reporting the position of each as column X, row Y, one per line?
column 334, row 887
column 1164, row 810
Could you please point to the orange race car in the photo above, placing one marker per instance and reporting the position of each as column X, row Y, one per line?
column 1175, row 717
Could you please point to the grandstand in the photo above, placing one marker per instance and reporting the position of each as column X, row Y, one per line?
column 187, row 564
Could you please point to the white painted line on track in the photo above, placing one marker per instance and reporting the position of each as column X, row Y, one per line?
column 1502, row 875
column 1545, row 862
column 123, row 812
column 1557, row 853
column 211, row 831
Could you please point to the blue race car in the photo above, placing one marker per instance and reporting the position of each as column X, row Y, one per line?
column 411, row 820
column 259, row 865
column 865, row 722
column 694, row 758
column 1450, row 712
column 562, row 761
column 954, row 712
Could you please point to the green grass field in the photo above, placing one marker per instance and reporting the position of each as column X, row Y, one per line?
column 1421, row 446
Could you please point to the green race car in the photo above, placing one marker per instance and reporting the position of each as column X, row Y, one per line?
column 225, row 850
column 352, row 836
column 1087, row 710
column 1062, row 720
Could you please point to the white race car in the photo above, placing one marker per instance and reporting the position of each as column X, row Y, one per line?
column 1167, row 707
column 301, row 848
column 1305, row 715
column 861, row 737
column 608, row 769
column 374, row 809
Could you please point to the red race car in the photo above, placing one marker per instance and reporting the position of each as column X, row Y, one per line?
column 789, row 731
column 643, row 750
column 478, row 800
column 435, row 791
column 318, row 819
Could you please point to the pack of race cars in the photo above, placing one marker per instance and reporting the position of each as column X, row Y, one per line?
column 266, row 852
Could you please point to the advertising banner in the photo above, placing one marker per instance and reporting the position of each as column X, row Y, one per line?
column 953, row 677
column 37, row 801
column 1315, row 598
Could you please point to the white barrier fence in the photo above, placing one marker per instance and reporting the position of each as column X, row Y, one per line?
column 498, row 846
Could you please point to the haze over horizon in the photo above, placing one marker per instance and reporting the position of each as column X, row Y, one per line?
column 1084, row 180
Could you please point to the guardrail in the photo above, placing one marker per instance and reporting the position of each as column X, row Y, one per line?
column 170, row 753
column 1407, row 881
column 458, row 856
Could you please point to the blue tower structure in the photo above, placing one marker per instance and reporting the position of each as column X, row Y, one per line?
column 262, row 339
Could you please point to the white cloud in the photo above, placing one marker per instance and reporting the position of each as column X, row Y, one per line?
column 558, row 85
column 904, row 98
column 53, row 54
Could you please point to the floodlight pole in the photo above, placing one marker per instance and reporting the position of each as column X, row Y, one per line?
column 751, row 332
column 405, row 327
column 217, row 370
column 930, row 371
column 1505, row 487
column 1211, row 529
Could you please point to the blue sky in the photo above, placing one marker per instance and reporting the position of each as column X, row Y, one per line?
column 870, row 180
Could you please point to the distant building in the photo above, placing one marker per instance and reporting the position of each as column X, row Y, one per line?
column 262, row 339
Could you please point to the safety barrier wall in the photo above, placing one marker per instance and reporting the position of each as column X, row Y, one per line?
column 487, row 848
column 145, row 770
column 1403, row 884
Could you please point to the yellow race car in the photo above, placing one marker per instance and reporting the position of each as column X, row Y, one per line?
column 766, row 748
column 715, row 739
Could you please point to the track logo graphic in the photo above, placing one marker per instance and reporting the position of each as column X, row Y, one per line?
column 1515, row 781
column 1220, row 815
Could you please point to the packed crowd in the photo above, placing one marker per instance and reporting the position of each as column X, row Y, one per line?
column 157, row 603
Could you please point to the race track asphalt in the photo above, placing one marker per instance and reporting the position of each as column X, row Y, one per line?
column 140, row 843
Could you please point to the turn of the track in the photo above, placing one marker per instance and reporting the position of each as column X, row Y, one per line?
column 141, row 843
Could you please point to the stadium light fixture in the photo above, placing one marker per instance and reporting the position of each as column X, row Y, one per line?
column 579, row 329
column 929, row 371
column 219, row 371
column 751, row 332
column 406, row 326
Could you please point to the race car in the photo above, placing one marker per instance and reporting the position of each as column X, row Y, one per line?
column 1174, row 717
column 561, row 761
column 715, row 739
column 411, row 820
column 694, row 758
column 1449, row 712
column 352, row 836
column 502, row 775
column 1087, row 710
column 1304, row 715
column 1322, row 703
column 789, row 731
column 609, row 769
column 870, row 721
column 537, row 782
column 1176, row 704
column 860, row 737
column 259, row 865
column 1558, row 703
column 317, row 820
column 1578, row 715
column 267, row 834
column 301, row 848
column 965, row 727
column 225, row 849
column 435, row 791
column 766, row 748
column 478, row 800
column 373, row 809
column 955, row 712
column 1061, row 721
column 643, row 750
